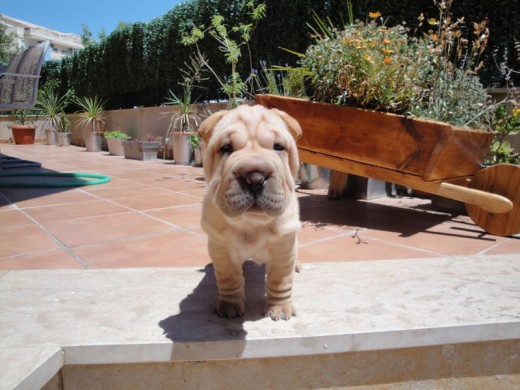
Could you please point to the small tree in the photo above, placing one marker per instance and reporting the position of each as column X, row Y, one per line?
column 8, row 47
column 233, row 85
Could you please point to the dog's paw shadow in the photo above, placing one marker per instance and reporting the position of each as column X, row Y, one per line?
column 197, row 321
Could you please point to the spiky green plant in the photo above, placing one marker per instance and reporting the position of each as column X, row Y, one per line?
column 91, row 112
column 187, row 118
column 53, row 106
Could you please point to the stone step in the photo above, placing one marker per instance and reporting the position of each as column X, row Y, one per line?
column 430, row 319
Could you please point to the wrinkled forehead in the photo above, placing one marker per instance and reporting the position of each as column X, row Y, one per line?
column 251, row 123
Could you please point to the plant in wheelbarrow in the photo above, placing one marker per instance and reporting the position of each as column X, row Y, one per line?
column 404, row 109
column 91, row 117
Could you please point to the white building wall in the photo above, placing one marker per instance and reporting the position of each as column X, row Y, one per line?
column 62, row 44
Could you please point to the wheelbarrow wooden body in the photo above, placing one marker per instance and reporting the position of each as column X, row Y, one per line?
column 428, row 156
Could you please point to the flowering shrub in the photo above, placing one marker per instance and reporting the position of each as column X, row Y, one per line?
column 368, row 66
column 372, row 66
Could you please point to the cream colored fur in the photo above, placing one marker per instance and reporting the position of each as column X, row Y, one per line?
column 250, row 207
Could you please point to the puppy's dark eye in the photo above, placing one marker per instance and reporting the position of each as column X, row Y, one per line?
column 278, row 147
column 226, row 149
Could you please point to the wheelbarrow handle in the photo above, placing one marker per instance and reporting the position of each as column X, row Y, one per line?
column 488, row 201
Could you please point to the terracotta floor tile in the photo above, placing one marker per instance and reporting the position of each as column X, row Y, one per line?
column 24, row 239
column 56, row 259
column 59, row 212
column 136, row 174
column 106, row 228
column 198, row 193
column 114, row 182
column 313, row 233
column 177, row 249
column 152, row 199
column 183, row 216
column 5, row 204
column 30, row 197
column 156, row 201
column 128, row 191
column 179, row 183
column 13, row 217
column 450, row 238
column 351, row 248
column 510, row 245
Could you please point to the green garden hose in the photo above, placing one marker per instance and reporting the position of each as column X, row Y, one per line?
column 98, row 179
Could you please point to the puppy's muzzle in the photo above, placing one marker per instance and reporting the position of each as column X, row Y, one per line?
column 253, row 185
column 254, row 181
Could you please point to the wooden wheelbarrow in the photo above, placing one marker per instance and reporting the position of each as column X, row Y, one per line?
column 424, row 155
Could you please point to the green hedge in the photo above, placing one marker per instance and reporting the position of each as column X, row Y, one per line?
column 137, row 64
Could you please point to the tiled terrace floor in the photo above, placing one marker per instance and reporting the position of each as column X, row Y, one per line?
column 148, row 216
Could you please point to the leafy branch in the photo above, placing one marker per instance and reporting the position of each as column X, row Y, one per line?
column 233, row 85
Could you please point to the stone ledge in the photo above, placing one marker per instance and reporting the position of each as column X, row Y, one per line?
column 165, row 315
column 29, row 367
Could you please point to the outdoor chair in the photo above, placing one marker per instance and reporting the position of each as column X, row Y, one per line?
column 19, row 81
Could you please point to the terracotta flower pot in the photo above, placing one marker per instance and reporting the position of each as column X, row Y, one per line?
column 23, row 134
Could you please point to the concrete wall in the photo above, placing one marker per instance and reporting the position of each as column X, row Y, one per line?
column 137, row 122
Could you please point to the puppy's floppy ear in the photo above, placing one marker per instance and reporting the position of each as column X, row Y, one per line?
column 292, row 124
column 207, row 125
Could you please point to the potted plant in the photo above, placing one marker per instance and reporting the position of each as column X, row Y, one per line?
column 23, row 129
column 142, row 149
column 115, row 142
column 91, row 114
column 52, row 106
column 63, row 130
column 183, row 124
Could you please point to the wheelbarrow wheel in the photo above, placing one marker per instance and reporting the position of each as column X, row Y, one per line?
column 502, row 179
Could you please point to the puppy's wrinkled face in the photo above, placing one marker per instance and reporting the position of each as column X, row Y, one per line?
column 251, row 160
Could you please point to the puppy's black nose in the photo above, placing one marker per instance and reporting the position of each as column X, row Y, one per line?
column 255, row 180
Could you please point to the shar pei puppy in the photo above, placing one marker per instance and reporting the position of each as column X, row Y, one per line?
column 250, row 208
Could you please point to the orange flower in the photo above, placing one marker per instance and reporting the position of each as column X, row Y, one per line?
column 387, row 60
column 374, row 15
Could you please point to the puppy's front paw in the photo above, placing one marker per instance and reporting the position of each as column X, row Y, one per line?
column 230, row 309
column 277, row 312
